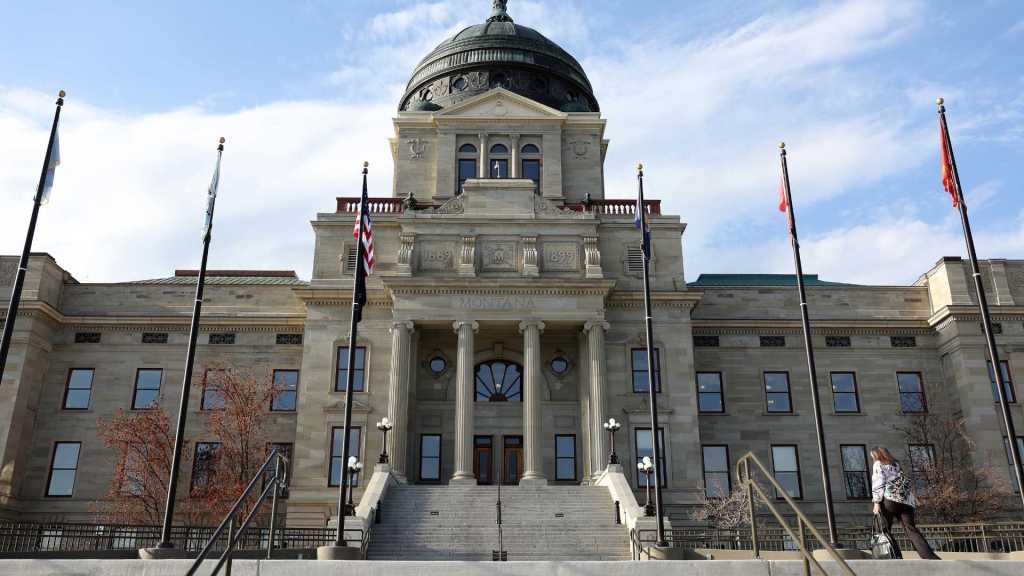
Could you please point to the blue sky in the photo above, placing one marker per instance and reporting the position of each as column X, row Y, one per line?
column 700, row 91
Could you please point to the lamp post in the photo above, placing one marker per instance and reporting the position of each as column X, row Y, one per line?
column 612, row 427
column 354, row 466
column 646, row 467
column 384, row 426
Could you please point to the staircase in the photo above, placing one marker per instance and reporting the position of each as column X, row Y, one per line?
column 458, row 523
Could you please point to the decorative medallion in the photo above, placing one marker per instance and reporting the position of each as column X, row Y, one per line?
column 499, row 256
column 580, row 147
column 417, row 146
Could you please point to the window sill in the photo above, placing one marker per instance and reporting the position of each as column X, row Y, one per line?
column 713, row 414
column 766, row 413
column 834, row 413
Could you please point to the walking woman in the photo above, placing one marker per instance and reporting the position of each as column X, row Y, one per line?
column 894, row 499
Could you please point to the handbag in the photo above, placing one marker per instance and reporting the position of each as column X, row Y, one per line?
column 880, row 542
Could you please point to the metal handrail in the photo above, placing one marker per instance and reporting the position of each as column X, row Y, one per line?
column 277, row 484
column 799, row 537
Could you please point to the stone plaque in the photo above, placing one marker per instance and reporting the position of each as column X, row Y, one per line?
column 436, row 255
column 498, row 256
column 561, row 256
column 7, row 270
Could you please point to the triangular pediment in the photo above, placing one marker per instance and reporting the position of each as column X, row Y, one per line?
column 501, row 103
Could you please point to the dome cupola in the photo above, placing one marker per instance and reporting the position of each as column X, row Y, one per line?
column 499, row 53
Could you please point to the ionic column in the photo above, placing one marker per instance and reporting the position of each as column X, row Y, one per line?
column 398, row 395
column 532, row 428
column 485, row 170
column 514, row 157
column 594, row 330
column 464, row 403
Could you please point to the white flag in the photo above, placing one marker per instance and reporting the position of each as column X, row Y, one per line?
column 212, row 197
column 51, row 169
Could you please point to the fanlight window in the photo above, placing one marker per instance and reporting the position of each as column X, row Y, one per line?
column 531, row 149
column 499, row 381
column 468, row 149
column 499, row 149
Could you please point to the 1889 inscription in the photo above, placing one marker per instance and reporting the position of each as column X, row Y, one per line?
column 494, row 302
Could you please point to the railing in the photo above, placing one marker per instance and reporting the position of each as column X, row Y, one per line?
column 377, row 205
column 40, row 539
column 277, row 484
column 622, row 207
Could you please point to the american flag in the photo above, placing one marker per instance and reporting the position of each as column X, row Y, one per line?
column 364, row 216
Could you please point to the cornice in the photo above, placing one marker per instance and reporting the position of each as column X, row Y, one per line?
column 710, row 327
column 970, row 313
column 404, row 286
column 635, row 299
column 341, row 297
column 208, row 323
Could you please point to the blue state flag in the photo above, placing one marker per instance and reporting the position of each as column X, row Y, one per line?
column 640, row 221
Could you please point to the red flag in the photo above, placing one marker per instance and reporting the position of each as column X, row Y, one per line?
column 947, row 165
column 783, row 205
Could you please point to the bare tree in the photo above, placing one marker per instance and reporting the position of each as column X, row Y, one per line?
column 729, row 513
column 952, row 484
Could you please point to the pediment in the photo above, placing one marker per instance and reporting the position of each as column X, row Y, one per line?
column 501, row 103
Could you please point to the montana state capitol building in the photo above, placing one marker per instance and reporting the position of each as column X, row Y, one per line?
column 504, row 326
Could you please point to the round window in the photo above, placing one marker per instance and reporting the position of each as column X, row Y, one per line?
column 460, row 83
column 559, row 366
column 438, row 364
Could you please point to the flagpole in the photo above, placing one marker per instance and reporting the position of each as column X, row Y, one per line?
column 812, row 371
column 651, row 361
column 190, row 356
column 357, row 306
column 986, row 319
column 19, row 281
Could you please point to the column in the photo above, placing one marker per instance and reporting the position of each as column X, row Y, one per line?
column 398, row 396
column 464, row 393
column 533, row 471
column 485, row 170
column 594, row 330
column 514, row 157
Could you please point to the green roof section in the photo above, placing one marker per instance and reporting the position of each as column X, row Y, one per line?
column 230, row 278
column 759, row 281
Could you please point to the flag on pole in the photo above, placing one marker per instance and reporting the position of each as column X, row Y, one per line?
column 947, row 165
column 364, row 216
column 783, row 204
column 211, row 198
column 640, row 221
column 51, row 169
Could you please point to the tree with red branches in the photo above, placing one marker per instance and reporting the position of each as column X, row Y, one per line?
column 235, row 405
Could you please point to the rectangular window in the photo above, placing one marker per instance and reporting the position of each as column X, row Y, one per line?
column 837, row 341
column 717, row 482
column 228, row 338
column 786, row 468
column 499, row 168
column 147, row 388
column 922, row 458
column 706, row 341
column 154, row 337
column 78, row 393
column 213, row 394
column 289, row 339
column 1009, row 460
column 634, row 260
column 644, row 447
column 63, row 469
column 640, row 378
column 88, row 337
column 903, row 341
column 565, row 457
column 531, row 171
column 855, row 472
column 1011, row 396
column 709, row 392
column 430, row 457
column 776, row 392
column 772, row 341
column 911, row 389
column 844, row 392
column 286, row 383
column 337, row 434
column 204, row 465
column 467, row 170
column 358, row 374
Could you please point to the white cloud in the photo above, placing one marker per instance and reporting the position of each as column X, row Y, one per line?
column 130, row 193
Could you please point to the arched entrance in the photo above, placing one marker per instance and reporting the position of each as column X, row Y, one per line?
column 496, row 382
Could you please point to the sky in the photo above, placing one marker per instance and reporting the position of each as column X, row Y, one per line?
column 701, row 92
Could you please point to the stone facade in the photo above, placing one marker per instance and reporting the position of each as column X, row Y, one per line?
column 486, row 273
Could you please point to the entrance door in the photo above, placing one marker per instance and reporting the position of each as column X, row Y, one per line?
column 512, row 467
column 483, row 459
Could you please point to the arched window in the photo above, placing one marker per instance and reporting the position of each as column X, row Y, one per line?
column 499, row 381
column 468, row 162
column 530, row 164
column 498, row 161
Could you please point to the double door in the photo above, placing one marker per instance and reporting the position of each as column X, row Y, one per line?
column 511, row 463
